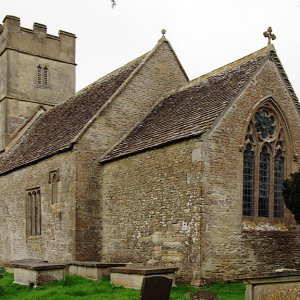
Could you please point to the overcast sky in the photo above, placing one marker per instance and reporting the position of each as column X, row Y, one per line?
column 204, row 34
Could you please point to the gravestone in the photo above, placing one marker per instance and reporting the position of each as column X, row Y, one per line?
column 156, row 287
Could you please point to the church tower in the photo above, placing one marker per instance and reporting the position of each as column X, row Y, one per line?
column 37, row 71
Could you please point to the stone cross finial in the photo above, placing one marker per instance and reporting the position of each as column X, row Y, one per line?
column 269, row 35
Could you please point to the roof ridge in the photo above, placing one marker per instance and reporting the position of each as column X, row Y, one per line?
column 226, row 67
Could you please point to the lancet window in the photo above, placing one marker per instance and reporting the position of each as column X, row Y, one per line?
column 33, row 212
column 53, row 181
column 264, row 165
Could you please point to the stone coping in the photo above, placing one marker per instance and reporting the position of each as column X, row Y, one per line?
column 271, row 275
column 21, row 261
column 37, row 266
column 143, row 270
column 97, row 264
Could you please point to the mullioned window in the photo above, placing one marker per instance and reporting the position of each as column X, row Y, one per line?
column 33, row 212
column 264, row 165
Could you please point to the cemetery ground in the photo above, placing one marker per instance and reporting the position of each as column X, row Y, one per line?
column 75, row 287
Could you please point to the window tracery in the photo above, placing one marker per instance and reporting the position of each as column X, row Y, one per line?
column 264, row 165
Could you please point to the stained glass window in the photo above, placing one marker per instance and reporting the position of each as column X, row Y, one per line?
column 264, row 123
column 248, row 181
column 278, row 181
column 264, row 176
column 264, row 165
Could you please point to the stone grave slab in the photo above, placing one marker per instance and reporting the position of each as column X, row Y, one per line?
column 92, row 269
column 133, row 276
column 9, row 265
column 279, row 286
column 37, row 273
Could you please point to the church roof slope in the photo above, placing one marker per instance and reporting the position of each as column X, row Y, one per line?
column 191, row 109
column 57, row 130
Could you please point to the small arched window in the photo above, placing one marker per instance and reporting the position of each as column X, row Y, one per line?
column 53, row 181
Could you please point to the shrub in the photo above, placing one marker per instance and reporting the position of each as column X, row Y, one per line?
column 291, row 194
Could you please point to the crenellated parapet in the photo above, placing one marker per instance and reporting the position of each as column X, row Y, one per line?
column 36, row 41
column 37, row 72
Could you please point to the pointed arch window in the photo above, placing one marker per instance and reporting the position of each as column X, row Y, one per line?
column 248, row 187
column 53, row 181
column 278, row 182
column 264, row 183
column 264, row 165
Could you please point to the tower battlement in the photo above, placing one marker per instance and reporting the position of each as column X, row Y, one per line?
column 37, row 72
column 36, row 41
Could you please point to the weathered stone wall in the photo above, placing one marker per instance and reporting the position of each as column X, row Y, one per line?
column 151, row 207
column 143, row 194
column 159, row 74
column 57, row 241
column 233, row 245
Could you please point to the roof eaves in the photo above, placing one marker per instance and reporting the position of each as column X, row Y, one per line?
column 157, row 145
column 66, row 148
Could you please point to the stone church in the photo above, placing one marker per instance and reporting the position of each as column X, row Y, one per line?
column 145, row 166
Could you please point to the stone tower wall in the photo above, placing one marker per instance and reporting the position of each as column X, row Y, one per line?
column 22, row 50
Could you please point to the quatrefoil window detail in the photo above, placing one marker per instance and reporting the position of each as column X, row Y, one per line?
column 264, row 124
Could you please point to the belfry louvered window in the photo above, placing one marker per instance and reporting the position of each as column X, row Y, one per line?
column 42, row 76
column 264, row 165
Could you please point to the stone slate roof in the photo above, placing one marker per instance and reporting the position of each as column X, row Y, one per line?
column 58, row 129
column 192, row 109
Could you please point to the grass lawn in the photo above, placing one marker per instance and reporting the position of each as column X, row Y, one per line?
column 75, row 287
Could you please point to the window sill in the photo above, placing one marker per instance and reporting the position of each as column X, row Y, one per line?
column 34, row 237
column 43, row 86
column 267, row 225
